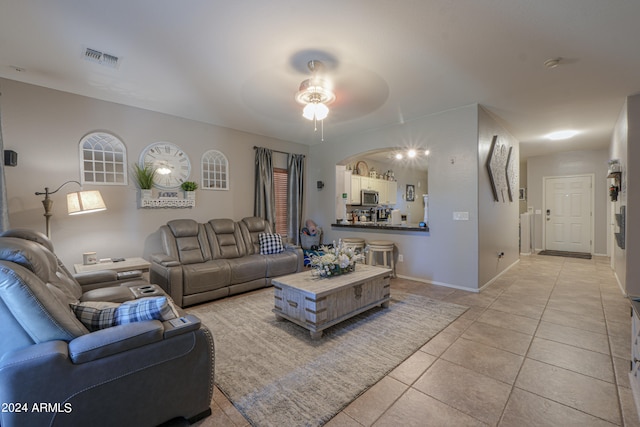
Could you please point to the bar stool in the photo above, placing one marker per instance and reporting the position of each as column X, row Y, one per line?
column 384, row 247
column 356, row 243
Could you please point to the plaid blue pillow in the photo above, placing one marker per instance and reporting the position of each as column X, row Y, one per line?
column 270, row 243
column 95, row 315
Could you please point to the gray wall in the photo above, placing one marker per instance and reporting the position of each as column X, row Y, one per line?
column 632, row 189
column 449, row 253
column 625, row 146
column 565, row 164
column 498, row 225
column 45, row 127
column 618, row 150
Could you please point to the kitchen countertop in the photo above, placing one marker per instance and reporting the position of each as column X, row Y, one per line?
column 377, row 226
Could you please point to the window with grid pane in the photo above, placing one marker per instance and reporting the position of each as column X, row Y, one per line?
column 280, row 185
column 215, row 171
column 103, row 159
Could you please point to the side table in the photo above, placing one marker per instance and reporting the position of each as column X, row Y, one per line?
column 129, row 264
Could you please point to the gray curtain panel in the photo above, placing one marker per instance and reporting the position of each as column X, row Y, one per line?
column 4, row 206
column 295, row 193
column 264, row 200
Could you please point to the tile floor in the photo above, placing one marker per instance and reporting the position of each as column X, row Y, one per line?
column 547, row 344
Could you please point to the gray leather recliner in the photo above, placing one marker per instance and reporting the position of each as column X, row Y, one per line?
column 54, row 372
column 101, row 285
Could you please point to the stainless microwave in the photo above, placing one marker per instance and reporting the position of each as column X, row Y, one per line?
column 369, row 198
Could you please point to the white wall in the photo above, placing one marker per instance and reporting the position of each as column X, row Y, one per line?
column 45, row 127
column 447, row 254
column 498, row 221
column 565, row 164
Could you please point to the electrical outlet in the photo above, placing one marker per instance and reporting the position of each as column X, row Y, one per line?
column 400, row 258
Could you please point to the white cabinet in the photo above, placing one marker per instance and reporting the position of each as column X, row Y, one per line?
column 387, row 190
column 392, row 192
column 354, row 195
column 365, row 183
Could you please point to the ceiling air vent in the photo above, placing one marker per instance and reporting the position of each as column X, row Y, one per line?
column 101, row 58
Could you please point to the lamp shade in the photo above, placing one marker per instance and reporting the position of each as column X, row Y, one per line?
column 315, row 110
column 81, row 202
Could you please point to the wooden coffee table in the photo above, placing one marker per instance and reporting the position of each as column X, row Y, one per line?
column 318, row 303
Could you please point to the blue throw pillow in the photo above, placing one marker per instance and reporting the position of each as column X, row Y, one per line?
column 95, row 315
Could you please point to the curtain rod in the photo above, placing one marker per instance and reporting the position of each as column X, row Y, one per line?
column 278, row 151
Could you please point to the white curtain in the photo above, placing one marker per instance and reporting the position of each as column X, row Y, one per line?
column 295, row 193
column 264, row 200
column 4, row 206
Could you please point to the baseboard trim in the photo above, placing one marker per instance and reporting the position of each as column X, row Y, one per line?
column 433, row 282
column 500, row 274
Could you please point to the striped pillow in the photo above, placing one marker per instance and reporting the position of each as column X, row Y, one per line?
column 95, row 315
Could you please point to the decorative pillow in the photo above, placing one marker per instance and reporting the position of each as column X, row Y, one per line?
column 270, row 243
column 97, row 315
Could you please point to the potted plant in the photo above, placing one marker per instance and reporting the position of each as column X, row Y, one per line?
column 189, row 188
column 144, row 175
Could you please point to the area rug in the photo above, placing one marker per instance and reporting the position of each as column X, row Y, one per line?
column 276, row 375
column 582, row 255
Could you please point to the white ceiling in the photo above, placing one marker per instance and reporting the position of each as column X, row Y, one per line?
column 238, row 64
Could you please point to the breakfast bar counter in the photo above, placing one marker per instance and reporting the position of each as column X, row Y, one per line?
column 377, row 226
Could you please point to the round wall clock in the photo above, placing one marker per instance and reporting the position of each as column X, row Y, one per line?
column 172, row 165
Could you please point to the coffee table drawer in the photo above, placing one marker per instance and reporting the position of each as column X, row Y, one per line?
column 346, row 301
column 290, row 302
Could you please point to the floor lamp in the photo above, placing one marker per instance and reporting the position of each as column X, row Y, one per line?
column 78, row 202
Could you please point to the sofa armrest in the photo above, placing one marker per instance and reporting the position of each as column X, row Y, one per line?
column 165, row 260
column 44, row 351
column 169, row 278
column 94, row 277
column 117, row 339
column 299, row 253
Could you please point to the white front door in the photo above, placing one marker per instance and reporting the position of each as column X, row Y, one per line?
column 568, row 216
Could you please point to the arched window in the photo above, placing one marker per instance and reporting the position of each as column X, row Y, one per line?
column 103, row 159
column 215, row 171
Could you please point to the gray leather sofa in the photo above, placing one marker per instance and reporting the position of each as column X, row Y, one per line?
column 54, row 372
column 203, row 262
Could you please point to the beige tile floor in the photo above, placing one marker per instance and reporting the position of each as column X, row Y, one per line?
column 546, row 344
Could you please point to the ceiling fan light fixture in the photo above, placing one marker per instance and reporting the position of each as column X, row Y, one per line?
column 315, row 110
column 315, row 94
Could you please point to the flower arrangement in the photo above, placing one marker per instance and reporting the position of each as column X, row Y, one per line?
column 335, row 260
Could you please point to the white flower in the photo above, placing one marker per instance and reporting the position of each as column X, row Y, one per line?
column 344, row 261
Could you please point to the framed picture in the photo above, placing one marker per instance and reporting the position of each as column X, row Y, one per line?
column 410, row 195
column 523, row 194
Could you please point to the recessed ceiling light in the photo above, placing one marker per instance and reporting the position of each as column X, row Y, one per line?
column 562, row 134
column 411, row 154
column 426, row 152
column 398, row 156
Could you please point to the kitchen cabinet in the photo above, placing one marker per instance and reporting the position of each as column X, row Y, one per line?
column 387, row 190
column 392, row 192
column 356, row 186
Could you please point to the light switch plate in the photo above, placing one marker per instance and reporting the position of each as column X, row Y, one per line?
column 461, row 216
